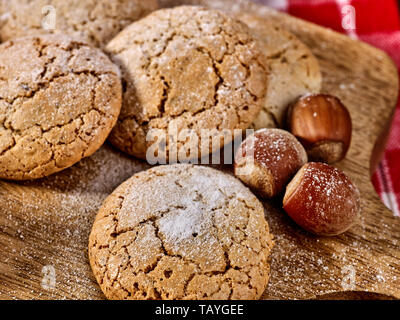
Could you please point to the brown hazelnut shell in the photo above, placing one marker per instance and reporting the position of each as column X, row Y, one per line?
column 323, row 125
column 322, row 200
column 267, row 160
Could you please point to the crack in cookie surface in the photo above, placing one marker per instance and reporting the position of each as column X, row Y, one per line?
column 181, row 232
column 187, row 67
column 57, row 104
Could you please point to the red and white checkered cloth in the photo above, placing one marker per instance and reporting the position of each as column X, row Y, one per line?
column 378, row 23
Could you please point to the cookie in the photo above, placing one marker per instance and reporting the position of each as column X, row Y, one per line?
column 181, row 232
column 94, row 21
column 186, row 68
column 59, row 99
column 294, row 70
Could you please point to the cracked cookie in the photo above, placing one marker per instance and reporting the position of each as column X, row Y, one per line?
column 294, row 70
column 59, row 99
column 186, row 68
column 181, row 232
column 93, row 21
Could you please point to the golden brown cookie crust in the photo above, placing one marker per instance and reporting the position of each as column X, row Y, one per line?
column 59, row 99
column 294, row 70
column 181, row 232
column 186, row 68
column 93, row 21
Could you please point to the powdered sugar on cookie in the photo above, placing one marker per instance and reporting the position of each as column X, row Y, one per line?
column 207, row 224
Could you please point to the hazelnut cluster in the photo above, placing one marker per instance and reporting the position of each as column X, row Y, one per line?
column 318, row 197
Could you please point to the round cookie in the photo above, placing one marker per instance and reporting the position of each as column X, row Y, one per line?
column 294, row 70
column 59, row 99
column 186, row 68
column 93, row 21
column 181, row 232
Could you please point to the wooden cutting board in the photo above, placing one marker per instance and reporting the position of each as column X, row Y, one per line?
column 44, row 225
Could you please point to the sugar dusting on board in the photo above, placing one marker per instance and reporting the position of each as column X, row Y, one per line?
column 55, row 223
column 56, row 217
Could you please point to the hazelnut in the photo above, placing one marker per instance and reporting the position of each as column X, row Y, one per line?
column 323, row 125
column 322, row 200
column 267, row 160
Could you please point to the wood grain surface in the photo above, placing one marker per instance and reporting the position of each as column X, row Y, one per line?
column 44, row 225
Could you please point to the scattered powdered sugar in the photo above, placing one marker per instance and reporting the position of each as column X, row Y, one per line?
column 48, row 222
column 182, row 225
column 203, row 193
column 332, row 185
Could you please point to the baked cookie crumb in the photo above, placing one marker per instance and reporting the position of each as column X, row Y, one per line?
column 186, row 68
column 181, row 232
column 59, row 100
